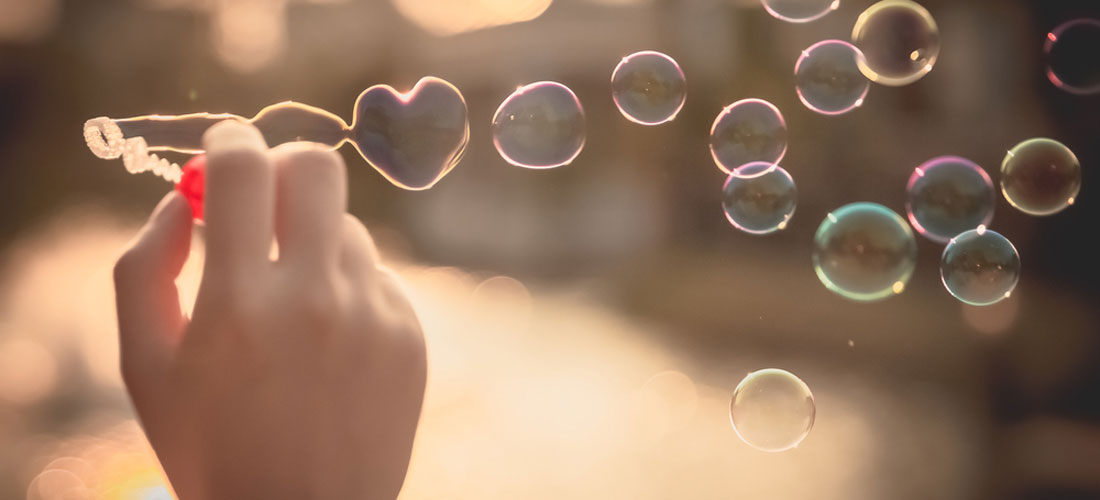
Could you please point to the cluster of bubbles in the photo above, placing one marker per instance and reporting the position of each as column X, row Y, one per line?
column 862, row 251
column 865, row 251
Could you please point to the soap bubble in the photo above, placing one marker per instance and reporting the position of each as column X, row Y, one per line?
column 1040, row 176
column 1072, row 64
column 899, row 40
column 800, row 11
column 827, row 78
column 541, row 125
column 772, row 410
column 948, row 195
column 746, row 131
column 413, row 138
column 864, row 251
column 980, row 267
column 648, row 88
column 759, row 198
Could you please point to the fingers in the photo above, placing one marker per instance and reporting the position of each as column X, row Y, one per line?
column 311, row 195
column 239, row 201
column 358, row 255
column 149, row 319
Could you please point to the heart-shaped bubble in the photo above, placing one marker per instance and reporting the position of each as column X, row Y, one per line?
column 415, row 138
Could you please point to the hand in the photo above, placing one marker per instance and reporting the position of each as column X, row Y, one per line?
column 300, row 378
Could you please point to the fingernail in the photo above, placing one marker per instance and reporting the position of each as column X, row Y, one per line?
column 232, row 135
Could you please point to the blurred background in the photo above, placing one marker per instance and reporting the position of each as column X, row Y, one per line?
column 587, row 324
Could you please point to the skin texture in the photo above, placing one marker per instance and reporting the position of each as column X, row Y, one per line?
column 298, row 378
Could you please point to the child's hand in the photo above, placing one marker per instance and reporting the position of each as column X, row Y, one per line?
column 300, row 378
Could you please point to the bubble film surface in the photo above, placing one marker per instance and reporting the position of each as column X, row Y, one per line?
column 980, row 267
column 948, row 195
column 899, row 40
column 759, row 198
column 1040, row 176
column 864, row 252
column 746, row 131
column 415, row 138
column 828, row 79
column 772, row 410
column 541, row 125
column 800, row 11
column 1072, row 63
column 648, row 88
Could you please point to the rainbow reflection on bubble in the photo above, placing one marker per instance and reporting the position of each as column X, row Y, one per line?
column 541, row 125
column 827, row 78
column 772, row 410
column 864, row 252
column 760, row 198
column 1040, row 176
column 948, row 195
column 899, row 40
column 1072, row 64
column 799, row 11
column 980, row 267
column 746, row 131
column 648, row 88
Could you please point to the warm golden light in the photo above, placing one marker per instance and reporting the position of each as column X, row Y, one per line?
column 457, row 16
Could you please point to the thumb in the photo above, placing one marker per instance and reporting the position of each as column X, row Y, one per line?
column 150, row 322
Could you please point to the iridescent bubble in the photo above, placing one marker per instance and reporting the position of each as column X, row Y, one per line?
column 648, row 88
column 864, row 251
column 746, row 131
column 899, row 40
column 827, row 78
column 759, row 198
column 541, row 125
column 772, row 410
column 949, row 195
column 1040, row 176
column 980, row 267
column 1072, row 64
column 799, row 11
column 412, row 138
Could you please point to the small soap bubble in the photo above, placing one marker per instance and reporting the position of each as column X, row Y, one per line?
column 980, row 267
column 948, row 195
column 899, row 40
column 413, row 138
column 772, row 410
column 541, row 125
column 648, row 88
column 1040, row 176
column 828, row 79
column 746, row 131
column 759, row 198
column 1072, row 64
column 864, row 251
column 800, row 11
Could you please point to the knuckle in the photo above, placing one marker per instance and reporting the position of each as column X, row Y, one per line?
column 127, row 266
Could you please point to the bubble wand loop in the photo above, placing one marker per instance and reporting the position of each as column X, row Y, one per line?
column 413, row 139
